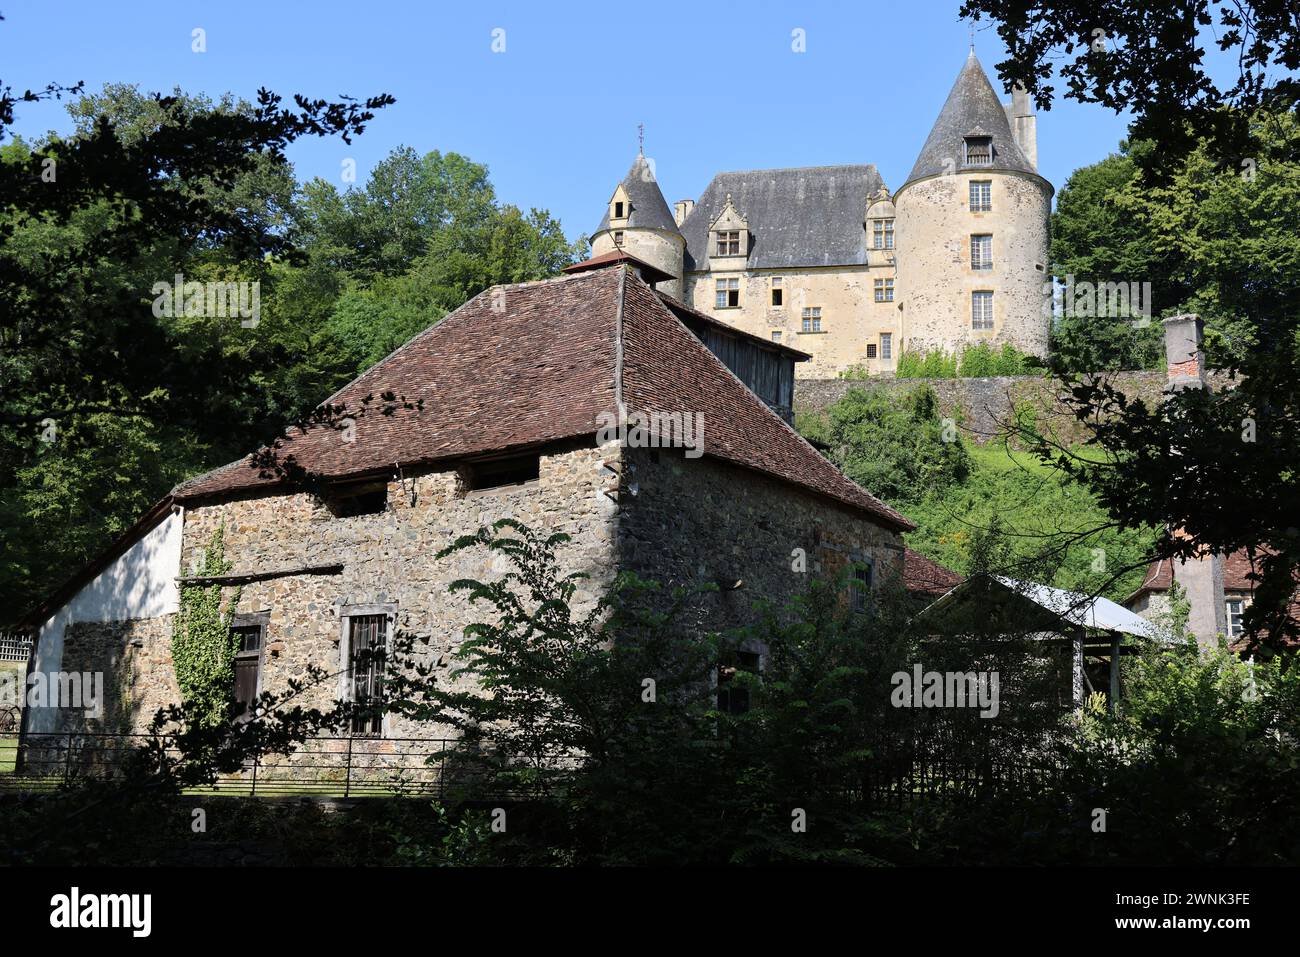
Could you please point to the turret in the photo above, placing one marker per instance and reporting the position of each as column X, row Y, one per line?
column 972, row 226
column 638, row 221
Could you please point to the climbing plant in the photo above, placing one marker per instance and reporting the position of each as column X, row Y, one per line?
column 203, row 646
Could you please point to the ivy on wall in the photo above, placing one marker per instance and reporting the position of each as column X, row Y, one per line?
column 203, row 647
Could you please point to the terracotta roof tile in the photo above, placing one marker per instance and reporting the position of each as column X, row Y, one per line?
column 922, row 576
column 534, row 363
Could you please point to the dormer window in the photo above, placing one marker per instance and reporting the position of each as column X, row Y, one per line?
column 618, row 210
column 882, row 234
column 728, row 242
column 979, row 151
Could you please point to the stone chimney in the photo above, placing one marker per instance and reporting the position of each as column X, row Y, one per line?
column 681, row 209
column 1024, row 124
column 1201, row 576
column 1185, row 353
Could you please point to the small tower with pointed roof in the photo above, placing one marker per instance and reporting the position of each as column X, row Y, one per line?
column 972, row 221
column 638, row 221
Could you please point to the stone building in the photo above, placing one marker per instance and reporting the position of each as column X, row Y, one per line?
column 826, row 259
column 500, row 410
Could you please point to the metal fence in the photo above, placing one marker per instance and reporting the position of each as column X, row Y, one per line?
column 15, row 646
column 320, row 767
column 348, row 767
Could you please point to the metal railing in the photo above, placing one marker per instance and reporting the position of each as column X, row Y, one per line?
column 335, row 767
column 15, row 646
column 348, row 767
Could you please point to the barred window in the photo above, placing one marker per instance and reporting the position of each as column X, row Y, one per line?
column 367, row 650
column 981, row 310
column 871, row 350
column 860, row 588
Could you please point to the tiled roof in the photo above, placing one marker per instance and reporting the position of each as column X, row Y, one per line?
column 523, row 365
column 972, row 108
column 796, row 217
column 1236, row 572
column 921, row 576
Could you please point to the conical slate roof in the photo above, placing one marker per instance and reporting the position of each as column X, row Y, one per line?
column 649, row 208
column 972, row 109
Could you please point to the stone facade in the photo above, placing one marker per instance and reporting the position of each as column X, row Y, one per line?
column 670, row 518
column 873, row 273
column 935, row 275
column 844, row 297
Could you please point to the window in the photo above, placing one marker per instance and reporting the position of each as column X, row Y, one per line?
column 502, row 473
column 1236, row 609
column 981, row 310
column 618, row 210
column 734, row 698
column 812, row 319
column 981, row 196
column 249, row 633
column 981, row 252
column 979, row 151
column 367, row 650
column 884, row 290
column 871, row 350
column 860, row 588
column 349, row 501
column 728, row 292
column 886, row 345
column 729, row 242
column 778, row 291
column 776, row 335
column 882, row 234
column 618, row 237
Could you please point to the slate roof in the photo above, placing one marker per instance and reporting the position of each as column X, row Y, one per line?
column 649, row 208
column 811, row 216
column 542, row 370
column 972, row 109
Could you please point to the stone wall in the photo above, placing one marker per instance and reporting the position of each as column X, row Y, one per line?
column 136, row 660
column 390, row 558
column 850, row 317
column 687, row 521
column 935, row 279
column 979, row 405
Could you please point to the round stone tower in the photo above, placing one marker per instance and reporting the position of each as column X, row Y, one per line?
column 638, row 221
column 972, row 227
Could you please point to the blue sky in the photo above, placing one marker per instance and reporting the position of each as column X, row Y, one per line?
column 555, row 115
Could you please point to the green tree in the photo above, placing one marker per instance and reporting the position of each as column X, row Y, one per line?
column 898, row 450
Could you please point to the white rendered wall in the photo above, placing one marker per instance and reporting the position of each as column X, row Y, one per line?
column 140, row 583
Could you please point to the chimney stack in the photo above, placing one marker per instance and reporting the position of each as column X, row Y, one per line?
column 681, row 209
column 1184, row 352
column 1201, row 576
